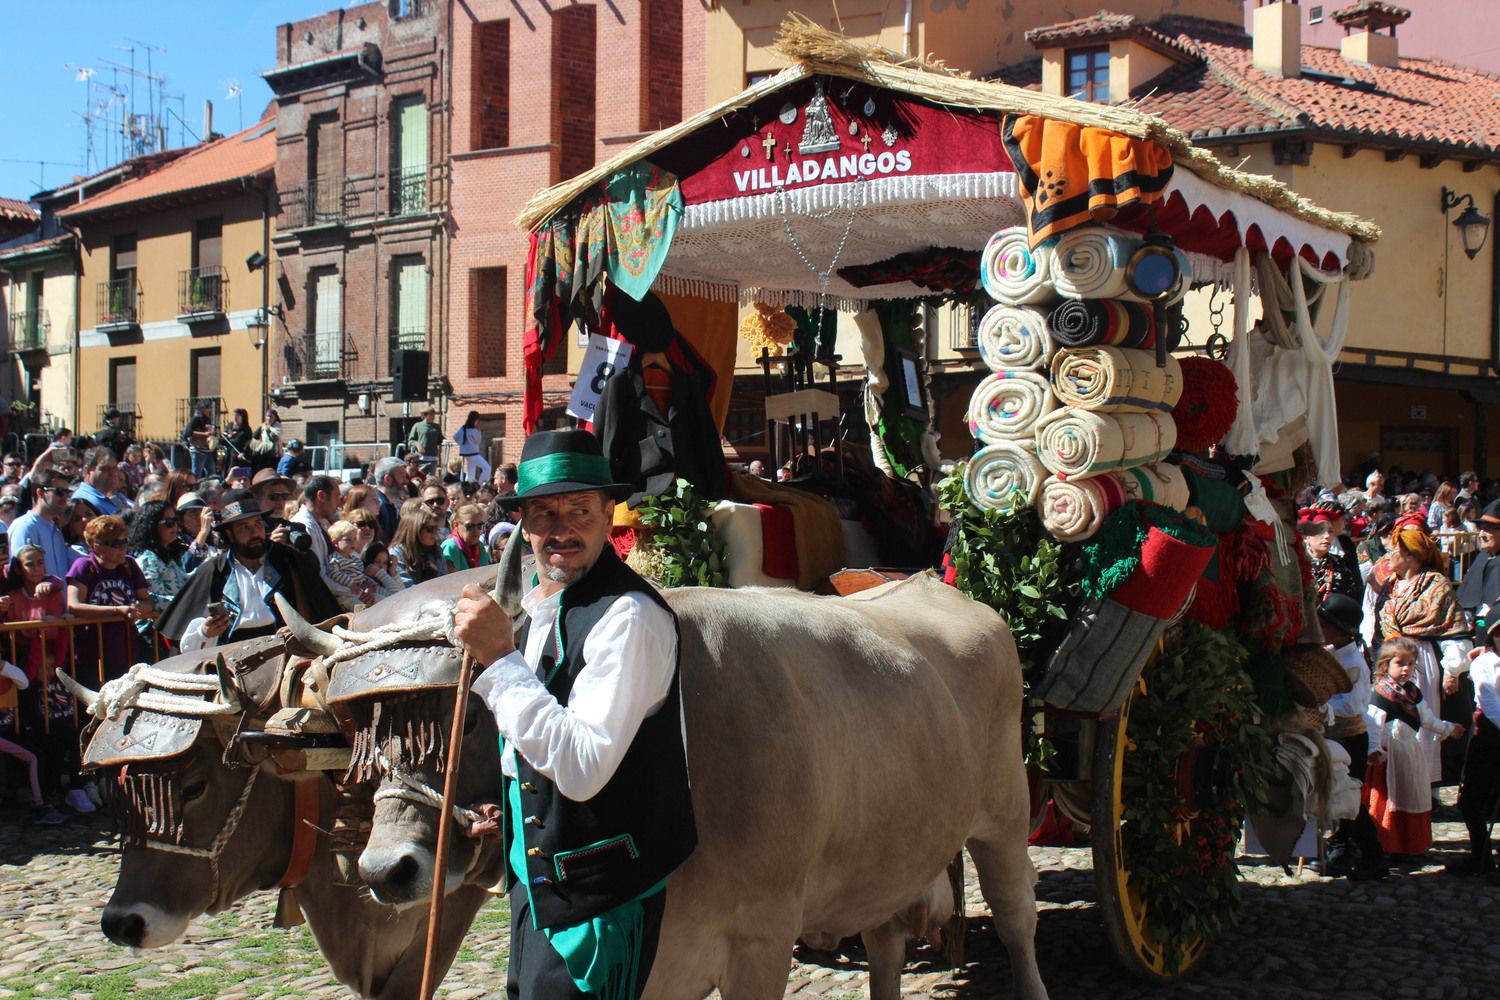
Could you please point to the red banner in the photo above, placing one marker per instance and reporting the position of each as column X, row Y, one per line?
column 831, row 131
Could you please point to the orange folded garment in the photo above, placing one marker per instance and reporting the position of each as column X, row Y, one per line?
column 1075, row 174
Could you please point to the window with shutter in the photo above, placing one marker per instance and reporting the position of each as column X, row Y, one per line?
column 409, row 143
column 327, row 332
column 411, row 304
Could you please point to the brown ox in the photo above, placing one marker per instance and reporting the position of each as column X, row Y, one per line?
column 841, row 751
column 372, row 949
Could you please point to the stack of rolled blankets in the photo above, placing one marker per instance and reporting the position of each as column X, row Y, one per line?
column 1075, row 417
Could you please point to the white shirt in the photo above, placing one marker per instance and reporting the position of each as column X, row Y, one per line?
column 1355, row 701
column 254, row 611
column 630, row 658
column 1485, row 672
column 319, row 535
column 469, row 440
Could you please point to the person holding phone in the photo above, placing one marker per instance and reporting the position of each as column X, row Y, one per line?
column 230, row 595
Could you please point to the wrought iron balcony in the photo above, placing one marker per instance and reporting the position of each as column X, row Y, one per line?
column 28, row 329
column 117, row 304
column 201, row 293
column 409, row 191
column 325, row 354
column 212, row 406
column 320, row 203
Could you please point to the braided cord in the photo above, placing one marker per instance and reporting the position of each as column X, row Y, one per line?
column 144, row 686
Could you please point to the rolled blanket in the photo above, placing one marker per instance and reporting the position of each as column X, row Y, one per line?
column 1160, row 483
column 1115, row 379
column 1006, row 405
column 1089, row 263
column 1014, row 337
column 999, row 472
column 1077, row 444
column 1102, row 323
column 1015, row 274
column 1072, row 510
column 1207, row 407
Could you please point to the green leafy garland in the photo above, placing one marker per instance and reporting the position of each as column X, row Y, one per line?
column 1009, row 562
column 683, row 548
column 1197, row 691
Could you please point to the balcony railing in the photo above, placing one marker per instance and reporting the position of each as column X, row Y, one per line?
column 320, row 203
column 325, row 353
column 213, row 408
column 409, row 191
column 117, row 304
column 28, row 330
column 201, row 292
column 129, row 416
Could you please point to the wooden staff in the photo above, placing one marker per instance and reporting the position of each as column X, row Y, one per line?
column 445, row 829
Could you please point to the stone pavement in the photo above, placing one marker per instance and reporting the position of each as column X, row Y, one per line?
column 1419, row 935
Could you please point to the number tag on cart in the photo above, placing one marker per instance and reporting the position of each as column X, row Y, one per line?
column 604, row 357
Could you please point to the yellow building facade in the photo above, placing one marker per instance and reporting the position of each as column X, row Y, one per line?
column 38, row 297
column 176, row 271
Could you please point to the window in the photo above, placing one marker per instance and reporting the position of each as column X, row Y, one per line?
column 751, row 79
column 573, row 79
column 402, row 10
column 205, row 374
column 410, row 308
column 487, row 318
column 325, row 172
column 490, row 85
column 1315, row 15
column 201, row 288
column 122, row 384
column 1088, row 73
column 327, row 333
column 663, row 104
column 117, row 297
column 409, row 152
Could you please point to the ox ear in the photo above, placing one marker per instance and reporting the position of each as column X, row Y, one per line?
column 508, row 580
column 229, row 693
column 84, row 696
column 308, row 635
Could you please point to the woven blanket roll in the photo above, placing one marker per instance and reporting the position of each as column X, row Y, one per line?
column 1115, row 379
column 1004, row 475
column 1089, row 263
column 1013, row 273
column 1077, row 444
column 1014, row 337
column 1006, row 405
column 1102, row 323
column 1072, row 510
column 1159, row 482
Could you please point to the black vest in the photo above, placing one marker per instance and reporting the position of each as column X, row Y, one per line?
column 583, row 858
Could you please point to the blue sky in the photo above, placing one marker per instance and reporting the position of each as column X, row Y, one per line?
column 202, row 47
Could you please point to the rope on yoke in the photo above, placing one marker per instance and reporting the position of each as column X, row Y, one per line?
column 413, row 789
column 169, row 693
column 213, row 851
column 434, row 625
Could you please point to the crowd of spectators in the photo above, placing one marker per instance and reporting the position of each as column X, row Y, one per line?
column 101, row 535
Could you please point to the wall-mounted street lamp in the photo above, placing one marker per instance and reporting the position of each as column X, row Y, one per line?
column 1472, row 227
column 258, row 324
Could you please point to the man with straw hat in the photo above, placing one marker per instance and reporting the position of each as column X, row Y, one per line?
column 595, row 771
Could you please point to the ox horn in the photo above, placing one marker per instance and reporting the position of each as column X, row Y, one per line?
column 508, row 580
column 83, row 695
column 306, row 633
column 229, row 693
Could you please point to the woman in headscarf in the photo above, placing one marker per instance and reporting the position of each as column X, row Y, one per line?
column 1411, row 596
column 1334, row 572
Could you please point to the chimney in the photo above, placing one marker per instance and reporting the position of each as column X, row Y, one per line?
column 1362, row 42
column 208, row 120
column 1276, row 39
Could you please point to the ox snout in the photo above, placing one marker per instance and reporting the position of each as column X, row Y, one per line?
column 141, row 926
column 399, row 875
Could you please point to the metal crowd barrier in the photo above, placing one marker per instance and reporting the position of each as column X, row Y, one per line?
column 90, row 674
column 1460, row 547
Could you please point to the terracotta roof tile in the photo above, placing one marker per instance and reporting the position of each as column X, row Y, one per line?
column 1105, row 24
column 1421, row 100
column 251, row 153
column 12, row 208
column 35, row 245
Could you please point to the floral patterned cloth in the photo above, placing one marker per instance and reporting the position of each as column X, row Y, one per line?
column 623, row 228
column 1424, row 607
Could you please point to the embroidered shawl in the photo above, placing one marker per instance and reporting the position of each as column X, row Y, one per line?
column 1427, row 609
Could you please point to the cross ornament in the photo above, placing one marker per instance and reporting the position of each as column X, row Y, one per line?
column 769, row 144
column 865, row 139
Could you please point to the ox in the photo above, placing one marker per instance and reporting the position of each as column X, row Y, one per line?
column 841, row 751
column 236, row 847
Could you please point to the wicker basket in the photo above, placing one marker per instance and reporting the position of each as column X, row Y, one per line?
column 1313, row 676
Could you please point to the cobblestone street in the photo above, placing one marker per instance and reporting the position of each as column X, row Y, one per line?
column 1302, row 936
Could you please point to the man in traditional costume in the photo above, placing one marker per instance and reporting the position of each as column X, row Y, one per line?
column 229, row 596
column 1480, row 791
column 1480, row 590
column 595, row 771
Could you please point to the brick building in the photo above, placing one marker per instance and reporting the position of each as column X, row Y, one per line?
column 362, row 232
column 540, row 93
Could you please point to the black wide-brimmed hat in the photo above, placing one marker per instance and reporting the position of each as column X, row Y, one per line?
column 646, row 323
column 554, row 462
column 1491, row 516
column 239, row 505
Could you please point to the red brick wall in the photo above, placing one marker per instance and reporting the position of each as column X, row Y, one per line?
column 573, row 81
column 663, row 63
column 490, row 87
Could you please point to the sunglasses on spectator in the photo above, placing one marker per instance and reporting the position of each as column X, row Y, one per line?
column 167, row 524
column 429, row 527
column 436, row 502
column 104, row 544
column 278, row 497
column 14, row 464
column 473, row 525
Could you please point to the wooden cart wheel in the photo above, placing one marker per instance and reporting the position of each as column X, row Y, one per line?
column 1123, row 909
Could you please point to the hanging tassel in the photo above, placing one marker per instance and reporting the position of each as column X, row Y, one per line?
column 288, row 913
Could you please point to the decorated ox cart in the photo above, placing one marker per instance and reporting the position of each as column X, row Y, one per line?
column 1157, row 336
column 1119, row 502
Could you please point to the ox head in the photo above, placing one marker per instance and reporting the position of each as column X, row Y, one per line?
column 403, row 700
column 172, row 797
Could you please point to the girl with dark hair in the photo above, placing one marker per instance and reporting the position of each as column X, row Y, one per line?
column 237, row 437
column 414, row 551
column 377, row 559
column 156, row 544
column 471, row 449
